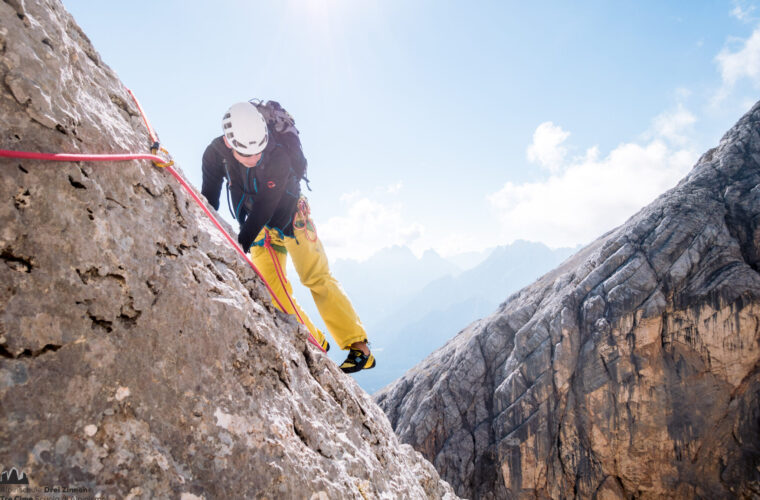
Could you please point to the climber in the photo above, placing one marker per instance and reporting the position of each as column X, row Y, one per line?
column 262, row 161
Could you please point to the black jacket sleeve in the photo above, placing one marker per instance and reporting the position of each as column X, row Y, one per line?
column 271, row 186
column 213, row 175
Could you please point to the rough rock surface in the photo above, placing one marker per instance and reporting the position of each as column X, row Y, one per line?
column 139, row 356
column 631, row 371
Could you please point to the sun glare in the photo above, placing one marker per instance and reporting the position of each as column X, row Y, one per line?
column 318, row 12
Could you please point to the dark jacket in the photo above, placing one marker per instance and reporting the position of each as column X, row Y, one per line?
column 266, row 194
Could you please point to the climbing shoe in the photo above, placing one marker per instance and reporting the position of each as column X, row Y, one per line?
column 357, row 361
column 325, row 345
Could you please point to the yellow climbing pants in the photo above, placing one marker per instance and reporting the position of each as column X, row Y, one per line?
column 310, row 261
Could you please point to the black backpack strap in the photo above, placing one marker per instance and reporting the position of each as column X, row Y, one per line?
column 229, row 184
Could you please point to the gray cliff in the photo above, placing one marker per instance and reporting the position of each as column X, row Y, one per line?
column 139, row 355
column 631, row 371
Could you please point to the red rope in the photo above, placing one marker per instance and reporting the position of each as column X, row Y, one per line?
column 281, row 275
column 153, row 136
column 275, row 260
column 25, row 155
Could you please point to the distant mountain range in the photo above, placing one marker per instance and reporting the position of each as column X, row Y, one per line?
column 410, row 306
column 388, row 280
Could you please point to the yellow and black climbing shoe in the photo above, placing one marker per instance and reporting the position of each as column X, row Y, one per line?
column 357, row 360
column 325, row 344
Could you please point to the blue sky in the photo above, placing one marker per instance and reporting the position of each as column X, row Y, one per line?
column 450, row 125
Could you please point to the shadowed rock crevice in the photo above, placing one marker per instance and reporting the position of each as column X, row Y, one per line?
column 26, row 353
column 146, row 189
column 122, row 104
column 18, row 7
column 17, row 262
column 745, row 228
column 21, row 200
column 629, row 371
column 170, row 251
column 100, row 323
column 76, row 184
column 93, row 274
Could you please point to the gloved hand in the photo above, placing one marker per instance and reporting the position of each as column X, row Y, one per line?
column 245, row 239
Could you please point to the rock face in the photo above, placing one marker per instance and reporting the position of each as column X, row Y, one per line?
column 139, row 356
column 632, row 370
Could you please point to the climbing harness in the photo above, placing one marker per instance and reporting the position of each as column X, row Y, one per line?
column 161, row 162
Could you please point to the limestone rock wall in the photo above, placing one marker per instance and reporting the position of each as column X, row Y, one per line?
column 139, row 356
column 631, row 371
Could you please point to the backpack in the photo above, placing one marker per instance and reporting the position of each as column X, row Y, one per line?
column 282, row 126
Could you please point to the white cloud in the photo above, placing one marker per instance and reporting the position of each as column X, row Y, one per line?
column 547, row 149
column 394, row 188
column 743, row 11
column 743, row 63
column 351, row 197
column 367, row 227
column 739, row 13
column 675, row 125
column 587, row 196
column 683, row 93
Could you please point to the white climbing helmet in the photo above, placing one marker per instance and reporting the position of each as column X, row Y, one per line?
column 245, row 129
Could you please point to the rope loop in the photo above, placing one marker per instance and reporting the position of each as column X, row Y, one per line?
column 302, row 220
